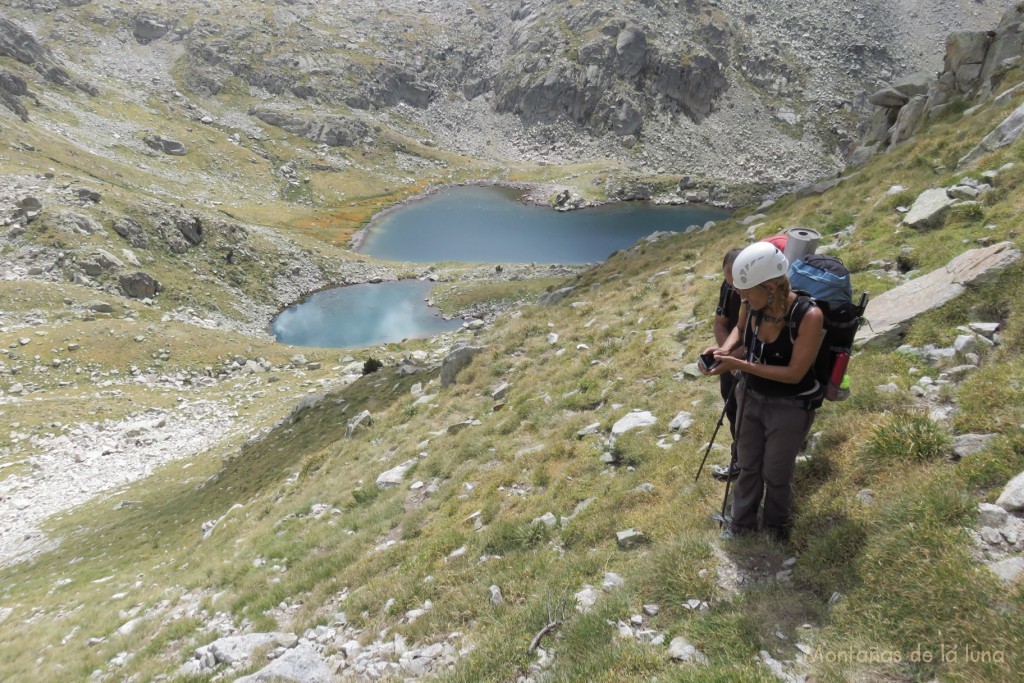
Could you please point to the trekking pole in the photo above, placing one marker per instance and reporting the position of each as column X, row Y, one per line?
column 732, row 462
column 714, row 435
column 722, row 519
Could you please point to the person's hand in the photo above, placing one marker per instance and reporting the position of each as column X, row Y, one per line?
column 711, row 351
column 726, row 363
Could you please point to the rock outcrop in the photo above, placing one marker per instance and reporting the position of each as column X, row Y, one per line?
column 11, row 88
column 617, row 76
column 21, row 45
column 973, row 70
column 334, row 131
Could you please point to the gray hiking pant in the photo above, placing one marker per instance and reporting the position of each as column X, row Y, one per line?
column 770, row 434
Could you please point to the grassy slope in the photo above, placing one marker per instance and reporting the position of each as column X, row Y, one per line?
column 903, row 565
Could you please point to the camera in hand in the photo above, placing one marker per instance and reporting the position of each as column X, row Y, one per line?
column 707, row 361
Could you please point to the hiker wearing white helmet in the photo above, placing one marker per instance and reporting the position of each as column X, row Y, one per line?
column 777, row 389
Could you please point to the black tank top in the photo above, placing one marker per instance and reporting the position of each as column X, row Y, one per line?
column 728, row 305
column 778, row 352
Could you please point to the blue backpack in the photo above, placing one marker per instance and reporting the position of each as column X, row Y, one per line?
column 823, row 280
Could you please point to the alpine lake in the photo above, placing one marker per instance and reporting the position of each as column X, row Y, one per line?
column 470, row 224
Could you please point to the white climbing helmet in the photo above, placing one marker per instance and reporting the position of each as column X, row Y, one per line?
column 758, row 263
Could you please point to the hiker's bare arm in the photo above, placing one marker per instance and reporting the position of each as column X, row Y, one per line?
column 722, row 329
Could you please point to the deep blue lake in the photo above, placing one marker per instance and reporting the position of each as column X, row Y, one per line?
column 471, row 225
column 362, row 315
column 489, row 224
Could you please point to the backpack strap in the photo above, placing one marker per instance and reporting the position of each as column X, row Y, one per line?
column 804, row 302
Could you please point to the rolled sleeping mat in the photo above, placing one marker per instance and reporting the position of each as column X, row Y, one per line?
column 800, row 242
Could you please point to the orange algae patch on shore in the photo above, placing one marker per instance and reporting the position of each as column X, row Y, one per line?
column 335, row 227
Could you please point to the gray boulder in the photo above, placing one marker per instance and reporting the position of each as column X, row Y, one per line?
column 966, row 445
column 929, row 209
column 69, row 221
column 147, row 27
column 552, row 298
column 358, row 423
column 234, row 651
column 456, row 361
column 1012, row 497
column 190, row 227
column 966, row 48
column 88, row 194
column 131, row 230
column 681, row 650
column 862, row 154
column 139, row 285
column 913, row 85
column 100, row 262
column 1007, row 43
column 881, row 123
column 991, row 516
column 393, row 477
column 889, row 97
column 910, row 118
column 301, row 664
column 166, row 145
column 631, row 52
column 29, row 206
column 630, row 538
column 99, row 307
column 633, row 420
column 586, row 598
column 1009, row 570
column 890, row 312
column 107, row 260
column 966, row 52
column 820, row 187
column 681, row 422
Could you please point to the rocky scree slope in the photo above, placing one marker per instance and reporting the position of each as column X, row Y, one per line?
column 730, row 90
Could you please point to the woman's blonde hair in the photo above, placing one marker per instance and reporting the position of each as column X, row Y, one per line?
column 780, row 298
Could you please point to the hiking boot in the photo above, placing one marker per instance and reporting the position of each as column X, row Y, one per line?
column 731, row 532
column 725, row 473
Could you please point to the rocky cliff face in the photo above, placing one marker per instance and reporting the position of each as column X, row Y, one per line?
column 732, row 90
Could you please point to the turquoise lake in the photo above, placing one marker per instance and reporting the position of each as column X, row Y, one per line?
column 473, row 225
column 362, row 315
column 489, row 224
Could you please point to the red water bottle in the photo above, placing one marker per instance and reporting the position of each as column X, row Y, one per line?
column 836, row 391
column 839, row 368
